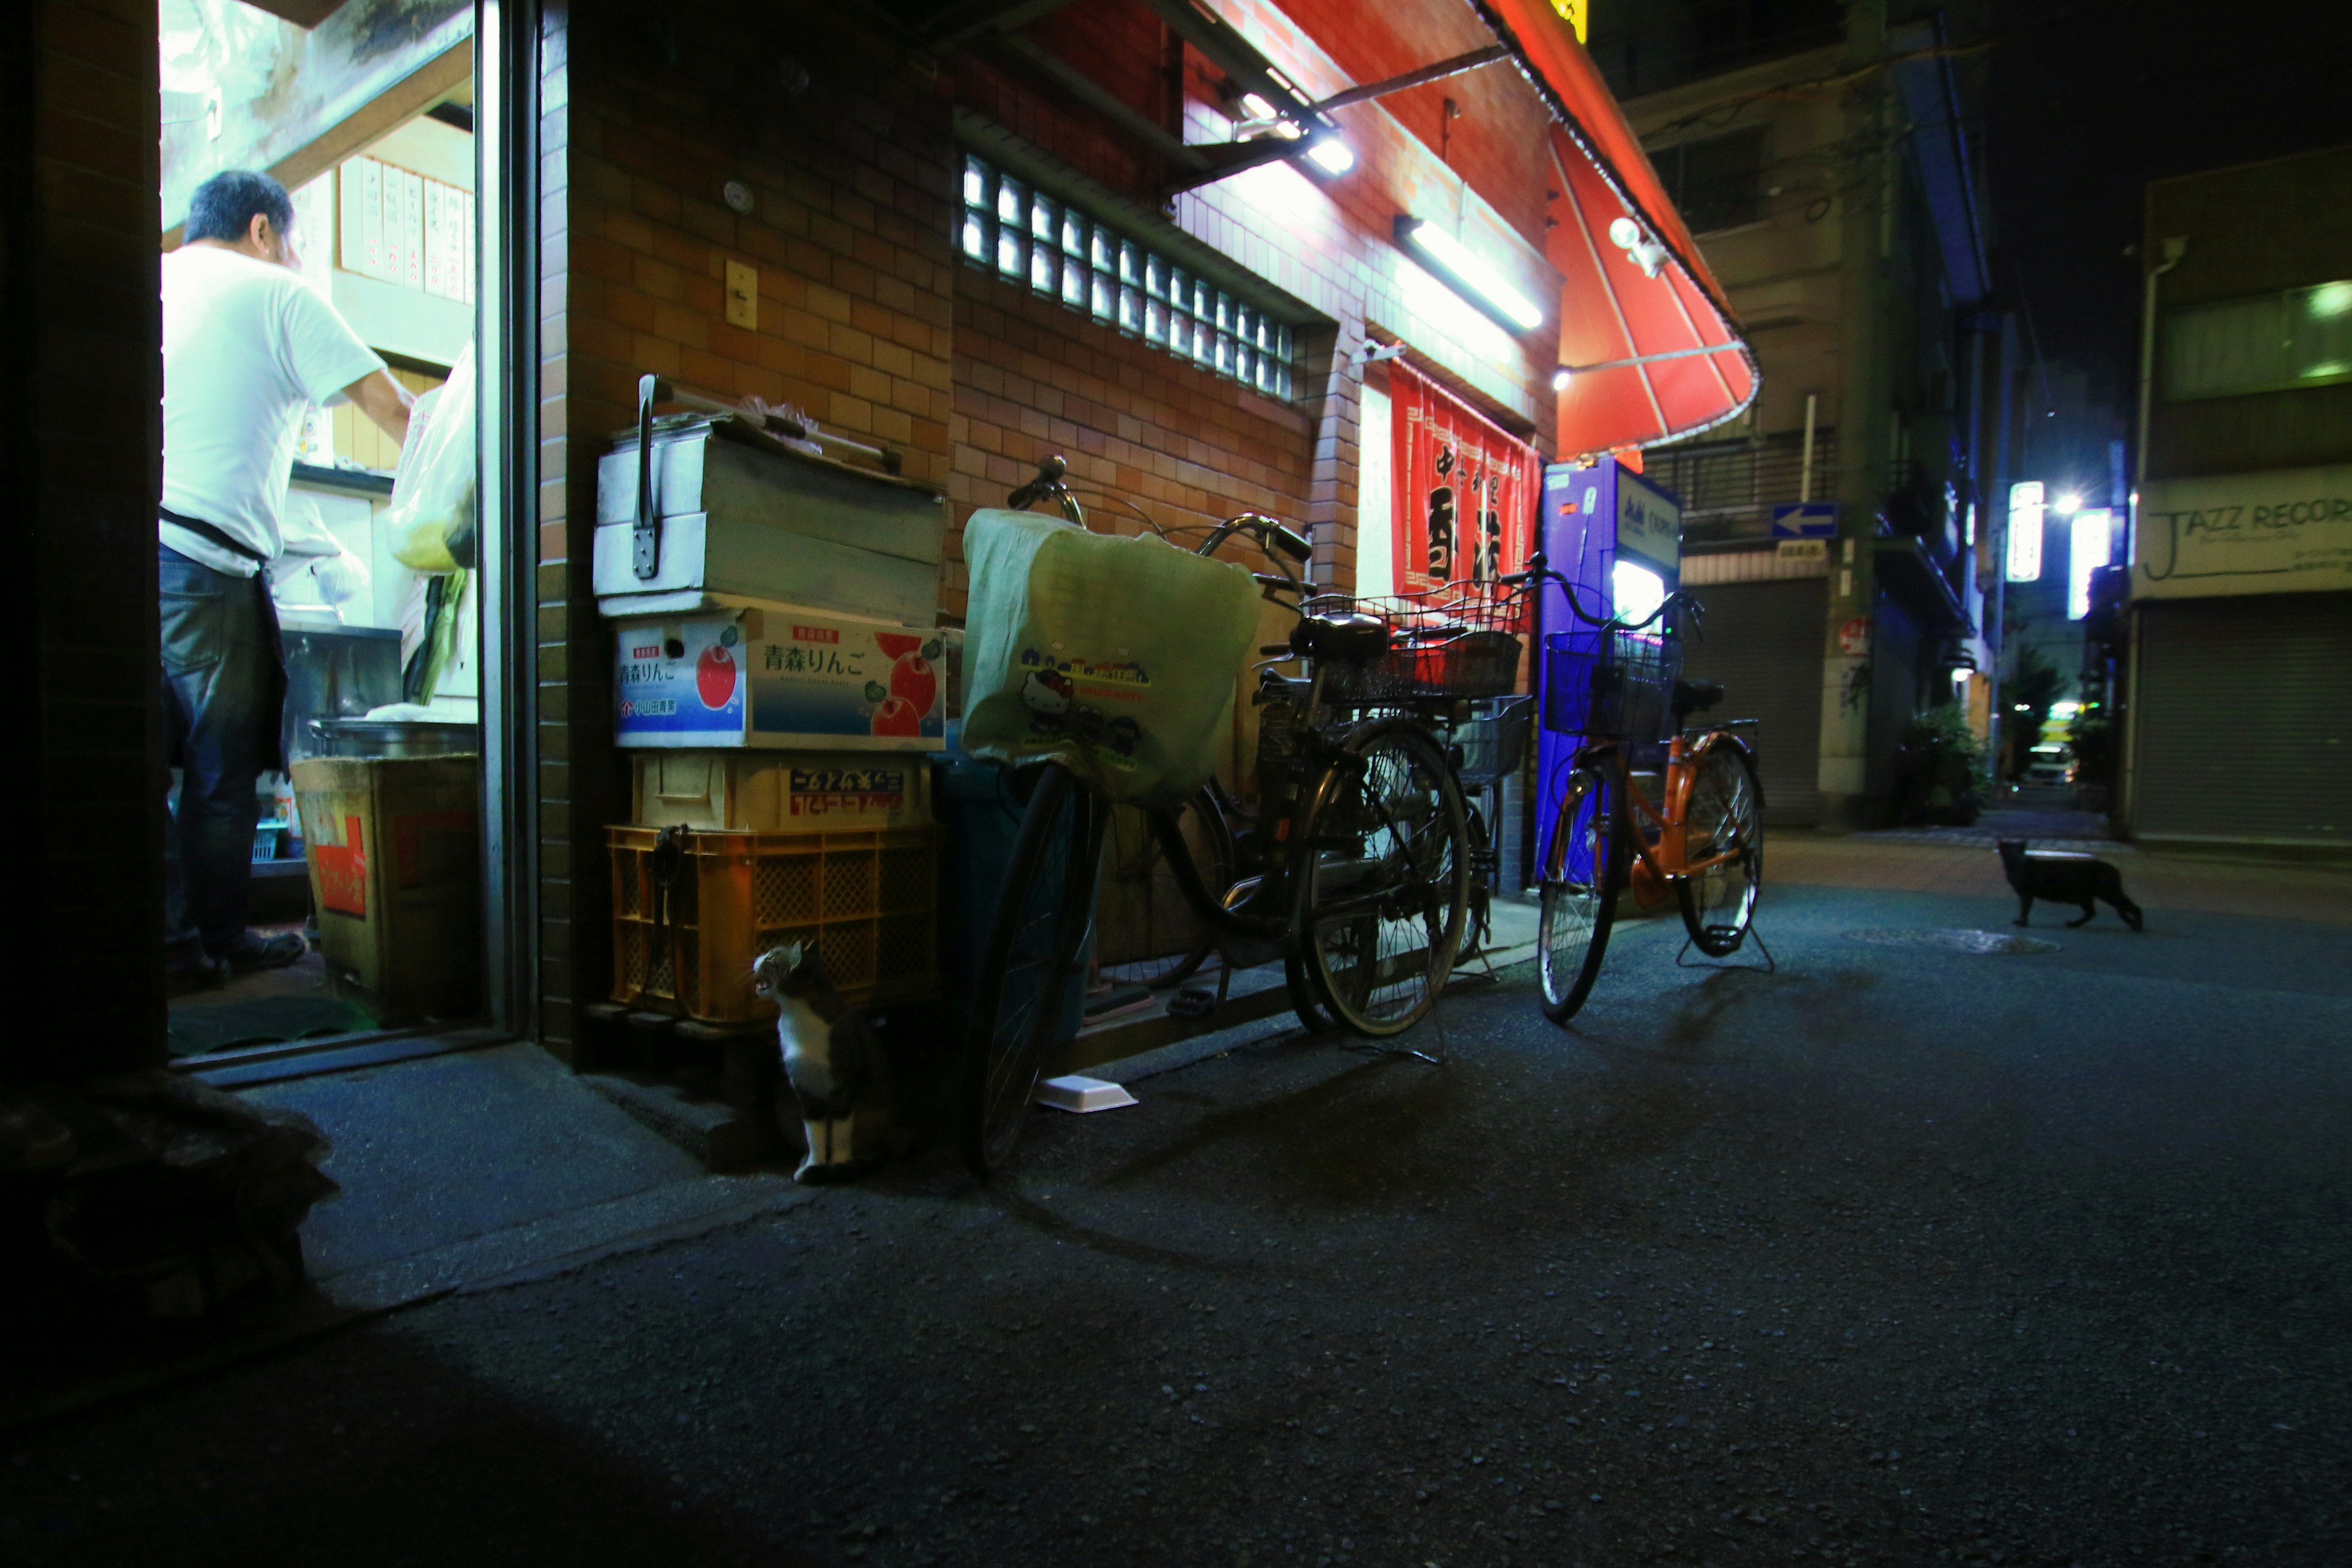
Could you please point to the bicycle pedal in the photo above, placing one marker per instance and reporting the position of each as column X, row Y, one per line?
column 1192, row 1001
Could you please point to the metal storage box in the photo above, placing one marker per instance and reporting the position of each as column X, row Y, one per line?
column 740, row 513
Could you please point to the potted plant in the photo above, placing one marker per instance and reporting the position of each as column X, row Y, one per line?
column 1940, row 769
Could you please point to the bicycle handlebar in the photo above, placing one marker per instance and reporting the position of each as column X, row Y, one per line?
column 1048, row 480
column 1539, row 570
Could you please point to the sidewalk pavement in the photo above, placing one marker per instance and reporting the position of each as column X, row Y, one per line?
column 460, row 1172
column 1966, row 863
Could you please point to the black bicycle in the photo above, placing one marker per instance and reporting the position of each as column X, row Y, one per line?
column 1354, row 870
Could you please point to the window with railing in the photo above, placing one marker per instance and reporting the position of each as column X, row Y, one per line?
column 1728, row 488
column 1025, row 235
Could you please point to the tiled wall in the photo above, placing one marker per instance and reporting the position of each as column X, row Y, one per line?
column 1182, row 442
column 82, row 329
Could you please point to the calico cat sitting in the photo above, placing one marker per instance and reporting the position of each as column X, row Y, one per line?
column 833, row 1060
column 2064, row 879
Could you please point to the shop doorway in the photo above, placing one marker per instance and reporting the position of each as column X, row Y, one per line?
column 371, row 899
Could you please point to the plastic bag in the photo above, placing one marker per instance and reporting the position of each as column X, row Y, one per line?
column 431, row 518
column 1116, row 657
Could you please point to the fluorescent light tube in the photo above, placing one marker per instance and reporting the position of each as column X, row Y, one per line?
column 1461, row 266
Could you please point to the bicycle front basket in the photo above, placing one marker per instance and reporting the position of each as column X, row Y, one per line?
column 1610, row 684
column 1461, row 641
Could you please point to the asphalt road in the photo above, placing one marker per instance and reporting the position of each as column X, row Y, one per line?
column 1897, row 1255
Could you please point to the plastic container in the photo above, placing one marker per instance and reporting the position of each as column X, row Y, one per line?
column 692, row 910
column 392, row 738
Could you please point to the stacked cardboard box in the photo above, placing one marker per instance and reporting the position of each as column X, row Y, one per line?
column 779, row 681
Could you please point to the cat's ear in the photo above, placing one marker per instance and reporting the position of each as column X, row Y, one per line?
column 792, row 955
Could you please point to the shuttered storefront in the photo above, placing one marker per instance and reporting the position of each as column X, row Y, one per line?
column 1763, row 641
column 2243, row 723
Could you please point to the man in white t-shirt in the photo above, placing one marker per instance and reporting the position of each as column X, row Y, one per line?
column 247, row 347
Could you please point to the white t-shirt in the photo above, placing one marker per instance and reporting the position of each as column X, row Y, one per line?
column 247, row 347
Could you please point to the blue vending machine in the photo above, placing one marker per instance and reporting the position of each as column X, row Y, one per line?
column 1618, row 538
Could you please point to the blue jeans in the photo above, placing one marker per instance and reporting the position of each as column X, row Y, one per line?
column 219, row 670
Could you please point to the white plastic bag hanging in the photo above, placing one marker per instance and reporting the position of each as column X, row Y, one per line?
column 431, row 518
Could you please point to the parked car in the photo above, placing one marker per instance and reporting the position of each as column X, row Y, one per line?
column 2050, row 765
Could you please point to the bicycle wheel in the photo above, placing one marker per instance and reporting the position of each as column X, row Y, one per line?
column 1304, row 1000
column 1722, row 818
column 1033, row 983
column 1385, row 884
column 1154, row 923
column 1584, row 867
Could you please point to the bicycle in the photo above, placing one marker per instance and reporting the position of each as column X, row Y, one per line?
column 1354, row 871
column 1613, row 684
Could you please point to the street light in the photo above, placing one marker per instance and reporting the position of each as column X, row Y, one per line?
column 2067, row 504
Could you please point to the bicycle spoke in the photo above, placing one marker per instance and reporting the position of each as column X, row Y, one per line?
column 1387, row 895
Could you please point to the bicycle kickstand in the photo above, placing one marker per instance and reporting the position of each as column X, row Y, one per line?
column 1769, row 966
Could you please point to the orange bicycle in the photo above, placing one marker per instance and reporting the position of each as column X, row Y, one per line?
column 1614, row 685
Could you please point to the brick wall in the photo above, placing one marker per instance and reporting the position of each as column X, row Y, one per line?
column 1185, row 445
column 82, row 340
column 649, row 113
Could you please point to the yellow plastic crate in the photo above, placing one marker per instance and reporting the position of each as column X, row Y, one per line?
column 688, row 924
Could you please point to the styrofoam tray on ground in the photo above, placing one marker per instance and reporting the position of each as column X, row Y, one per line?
column 1080, row 1094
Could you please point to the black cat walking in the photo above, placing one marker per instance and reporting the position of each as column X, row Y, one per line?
column 2073, row 879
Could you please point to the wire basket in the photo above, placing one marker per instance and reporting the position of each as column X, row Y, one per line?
column 1494, row 740
column 1612, row 684
column 1460, row 640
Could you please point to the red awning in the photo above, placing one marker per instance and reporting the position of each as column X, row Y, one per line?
column 1654, row 297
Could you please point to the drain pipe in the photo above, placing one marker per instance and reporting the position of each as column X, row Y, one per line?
column 2126, row 801
column 2174, row 249
column 1805, row 473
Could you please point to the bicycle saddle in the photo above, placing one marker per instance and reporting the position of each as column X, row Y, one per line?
column 1696, row 697
column 1350, row 639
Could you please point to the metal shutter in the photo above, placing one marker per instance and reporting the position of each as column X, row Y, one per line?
column 1763, row 641
column 2242, row 732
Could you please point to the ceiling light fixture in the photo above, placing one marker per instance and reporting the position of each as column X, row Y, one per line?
column 1331, row 155
column 1470, row 277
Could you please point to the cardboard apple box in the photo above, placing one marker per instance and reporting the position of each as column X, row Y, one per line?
column 782, row 677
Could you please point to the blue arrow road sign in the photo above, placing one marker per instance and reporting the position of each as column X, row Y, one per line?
column 1806, row 519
